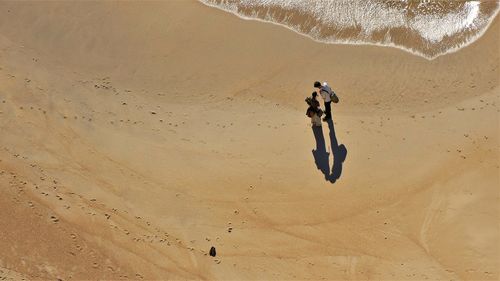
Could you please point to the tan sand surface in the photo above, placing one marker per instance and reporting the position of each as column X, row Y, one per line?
column 136, row 135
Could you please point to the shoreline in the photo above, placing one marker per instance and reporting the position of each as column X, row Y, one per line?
column 355, row 43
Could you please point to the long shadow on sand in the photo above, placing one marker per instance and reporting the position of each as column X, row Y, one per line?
column 321, row 156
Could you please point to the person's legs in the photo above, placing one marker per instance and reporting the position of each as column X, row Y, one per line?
column 328, row 111
column 316, row 120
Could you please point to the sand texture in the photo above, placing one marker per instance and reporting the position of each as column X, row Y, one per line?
column 134, row 136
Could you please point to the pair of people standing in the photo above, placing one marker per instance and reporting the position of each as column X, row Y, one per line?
column 320, row 154
column 314, row 111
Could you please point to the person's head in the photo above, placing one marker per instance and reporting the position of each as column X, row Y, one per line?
column 314, row 94
column 317, row 84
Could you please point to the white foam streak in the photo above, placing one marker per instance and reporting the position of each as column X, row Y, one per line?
column 434, row 28
column 370, row 16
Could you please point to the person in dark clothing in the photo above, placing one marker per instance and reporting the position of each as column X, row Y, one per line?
column 314, row 111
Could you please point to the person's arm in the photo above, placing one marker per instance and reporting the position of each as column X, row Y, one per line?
column 322, row 94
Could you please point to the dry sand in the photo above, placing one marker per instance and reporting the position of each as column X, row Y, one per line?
column 135, row 136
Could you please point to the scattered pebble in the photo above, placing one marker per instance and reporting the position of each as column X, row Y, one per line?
column 212, row 252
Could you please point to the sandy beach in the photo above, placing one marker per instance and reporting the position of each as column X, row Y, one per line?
column 134, row 136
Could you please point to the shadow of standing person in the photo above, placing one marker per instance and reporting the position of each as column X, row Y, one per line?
column 339, row 154
column 320, row 154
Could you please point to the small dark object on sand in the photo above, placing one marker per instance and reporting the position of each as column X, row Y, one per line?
column 212, row 252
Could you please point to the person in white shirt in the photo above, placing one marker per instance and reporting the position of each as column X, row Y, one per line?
column 325, row 94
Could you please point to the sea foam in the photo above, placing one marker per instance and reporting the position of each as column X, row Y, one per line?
column 428, row 28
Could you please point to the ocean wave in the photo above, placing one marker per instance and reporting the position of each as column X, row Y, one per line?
column 428, row 28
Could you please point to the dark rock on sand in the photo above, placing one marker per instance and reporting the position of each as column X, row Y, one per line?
column 213, row 253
